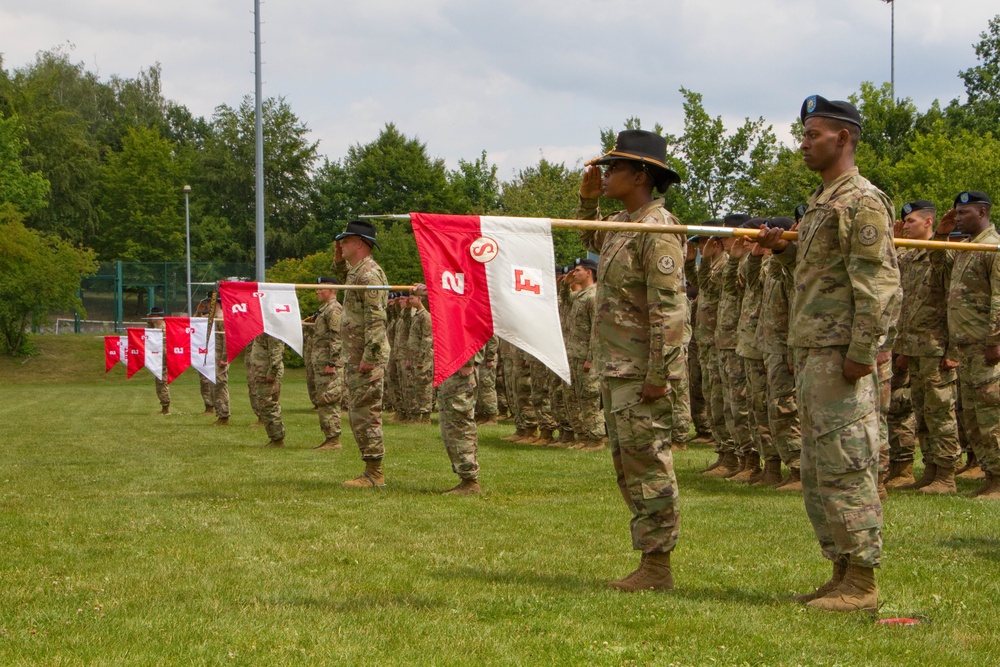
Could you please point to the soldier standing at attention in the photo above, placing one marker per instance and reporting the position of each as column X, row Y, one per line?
column 154, row 320
column 586, row 387
column 486, row 384
column 207, row 387
column 401, row 375
column 846, row 280
column 268, row 365
column 366, row 347
column 638, row 333
column 420, row 362
column 974, row 332
column 221, row 393
column 327, row 364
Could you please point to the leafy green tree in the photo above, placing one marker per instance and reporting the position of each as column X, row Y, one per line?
column 26, row 191
column 476, row 185
column 982, row 82
column 38, row 273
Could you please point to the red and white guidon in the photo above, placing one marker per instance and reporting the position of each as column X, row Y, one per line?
column 489, row 275
column 250, row 309
column 145, row 349
column 115, row 351
column 187, row 344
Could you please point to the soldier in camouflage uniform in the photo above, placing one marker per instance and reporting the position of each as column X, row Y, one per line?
column 974, row 332
column 562, row 406
column 389, row 402
column 698, row 404
column 921, row 351
column 638, row 333
column 251, row 374
column 846, row 280
column 327, row 363
column 520, row 393
column 400, row 373
column 365, row 345
column 486, row 384
column 457, row 420
column 308, row 324
column 541, row 402
column 206, row 386
column 419, row 363
column 221, row 395
column 268, row 365
column 588, row 424
column 154, row 320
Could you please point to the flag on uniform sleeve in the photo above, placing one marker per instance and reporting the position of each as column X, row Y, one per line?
column 489, row 275
column 186, row 345
column 114, row 351
column 250, row 309
column 145, row 349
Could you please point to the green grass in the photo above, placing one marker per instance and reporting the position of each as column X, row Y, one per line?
column 133, row 538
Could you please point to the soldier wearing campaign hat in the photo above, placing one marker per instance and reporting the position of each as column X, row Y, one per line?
column 974, row 331
column 638, row 334
column 365, row 345
column 846, row 287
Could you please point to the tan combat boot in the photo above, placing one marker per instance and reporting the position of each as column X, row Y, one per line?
column 258, row 423
column 165, row 410
column 567, row 438
column 701, row 439
column 903, row 477
column 943, row 482
column 654, row 574
column 280, row 442
column 730, row 466
column 970, row 463
column 209, row 410
column 527, row 437
column 678, row 446
column 857, row 592
column 329, row 444
column 544, row 438
column 839, row 570
column 517, row 434
column 793, row 483
column 930, row 474
column 715, row 464
column 883, row 493
column 221, row 421
column 372, row 477
column 772, row 473
column 750, row 467
column 467, row 487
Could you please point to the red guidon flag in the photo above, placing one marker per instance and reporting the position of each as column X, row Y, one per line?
column 115, row 351
column 250, row 309
column 145, row 349
column 489, row 275
column 187, row 344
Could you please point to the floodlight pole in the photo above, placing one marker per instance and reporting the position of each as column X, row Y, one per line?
column 187, row 244
column 259, row 147
column 892, row 48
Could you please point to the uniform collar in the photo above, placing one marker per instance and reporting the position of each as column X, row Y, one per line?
column 825, row 192
column 644, row 211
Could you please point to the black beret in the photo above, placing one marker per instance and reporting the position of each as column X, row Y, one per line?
column 780, row 223
column 973, row 197
column 919, row 205
column 800, row 212
column 735, row 219
column 586, row 263
column 754, row 223
column 326, row 280
column 815, row 105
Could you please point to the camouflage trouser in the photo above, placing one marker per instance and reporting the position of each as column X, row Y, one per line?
column 252, row 389
column 757, row 375
column 503, row 405
column 221, row 395
column 883, row 398
column 589, row 424
column 712, row 386
column 486, row 391
column 307, row 347
column 522, row 392
column 365, row 412
column 457, row 419
column 900, row 419
column 268, row 396
column 541, row 401
column 163, row 391
column 391, row 397
column 736, row 395
column 419, row 398
column 839, row 465
column 979, row 385
column 639, row 436
column 933, row 393
column 679, row 385
column 783, row 410
column 699, row 409
column 560, row 404
column 207, row 391
column 329, row 394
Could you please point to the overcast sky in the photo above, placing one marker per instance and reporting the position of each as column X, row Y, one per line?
column 518, row 78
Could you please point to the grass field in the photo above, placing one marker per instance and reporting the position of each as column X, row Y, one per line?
column 134, row 538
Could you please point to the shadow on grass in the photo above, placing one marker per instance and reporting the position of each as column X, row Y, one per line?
column 556, row 581
column 987, row 548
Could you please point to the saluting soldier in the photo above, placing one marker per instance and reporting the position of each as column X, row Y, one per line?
column 638, row 333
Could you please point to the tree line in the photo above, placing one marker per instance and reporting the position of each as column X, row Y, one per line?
column 99, row 165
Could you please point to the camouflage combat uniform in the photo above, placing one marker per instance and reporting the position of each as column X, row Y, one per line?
column 326, row 352
column 267, row 362
column 221, row 395
column 709, row 291
column 486, row 381
column 846, row 277
column 521, row 390
column 974, row 323
column 162, row 388
column 389, row 401
column 400, row 376
column 923, row 340
column 457, row 420
column 680, row 383
column 736, row 390
column 419, row 357
column 308, row 325
column 362, row 332
column 638, row 332
column 696, row 391
column 588, row 419
column 748, row 347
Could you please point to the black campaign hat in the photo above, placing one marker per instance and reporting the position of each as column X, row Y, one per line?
column 816, row 105
column 156, row 311
column 973, row 197
column 918, row 205
column 362, row 228
column 647, row 148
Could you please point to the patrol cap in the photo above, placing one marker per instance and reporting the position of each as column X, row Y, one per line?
column 326, row 280
column 647, row 148
column 973, row 197
column 817, row 105
column 586, row 263
column 800, row 212
column 918, row 205
column 362, row 228
column 780, row 223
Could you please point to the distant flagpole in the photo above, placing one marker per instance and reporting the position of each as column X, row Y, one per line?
column 258, row 122
column 892, row 48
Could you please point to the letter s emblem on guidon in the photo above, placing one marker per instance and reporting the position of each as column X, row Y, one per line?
column 666, row 265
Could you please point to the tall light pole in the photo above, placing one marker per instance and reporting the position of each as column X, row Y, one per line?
column 892, row 47
column 258, row 147
column 187, row 244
